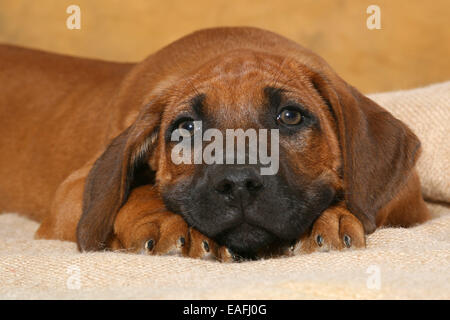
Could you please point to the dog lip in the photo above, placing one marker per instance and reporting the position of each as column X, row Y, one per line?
column 230, row 225
column 242, row 241
column 243, row 222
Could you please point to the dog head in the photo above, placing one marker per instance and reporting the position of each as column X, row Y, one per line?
column 334, row 145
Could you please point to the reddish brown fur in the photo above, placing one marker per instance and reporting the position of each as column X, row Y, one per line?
column 60, row 113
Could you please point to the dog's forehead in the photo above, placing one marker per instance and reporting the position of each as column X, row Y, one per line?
column 233, row 86
column 237, row 74
column 231, row 89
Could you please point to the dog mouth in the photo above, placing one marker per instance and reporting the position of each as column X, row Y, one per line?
column 274, row 219
column 246, row 240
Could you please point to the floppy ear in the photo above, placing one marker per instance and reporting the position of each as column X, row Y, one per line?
column 378, row 150
column 111, row 177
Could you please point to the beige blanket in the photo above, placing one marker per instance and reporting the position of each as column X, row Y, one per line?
column 398, row 263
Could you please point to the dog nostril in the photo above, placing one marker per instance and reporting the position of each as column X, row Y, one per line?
column 253, row 185
column 225, row 187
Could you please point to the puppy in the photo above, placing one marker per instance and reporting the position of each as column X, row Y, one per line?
column 86, row 150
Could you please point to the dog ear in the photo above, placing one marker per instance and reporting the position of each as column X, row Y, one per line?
column 378, row 150
column 111, row 177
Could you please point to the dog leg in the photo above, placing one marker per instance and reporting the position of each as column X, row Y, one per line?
column 143, row 225
column 65, row 212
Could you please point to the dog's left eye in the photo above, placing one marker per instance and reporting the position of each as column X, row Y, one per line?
column 289, row 116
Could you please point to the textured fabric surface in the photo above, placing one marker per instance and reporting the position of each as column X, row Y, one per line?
column 397, row 263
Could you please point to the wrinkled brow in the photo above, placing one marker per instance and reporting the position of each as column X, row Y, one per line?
column 274, row 95
column 197, row 103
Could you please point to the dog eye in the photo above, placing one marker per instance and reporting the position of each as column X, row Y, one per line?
column 188, row 125
column 289, row 116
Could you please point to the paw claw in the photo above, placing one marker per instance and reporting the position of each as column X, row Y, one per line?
column 235, row 257
column 225, row 255
column 295, row 248
column 181, row 242
column 347, row 240
column 149, row 245
column 205, row 246
column 319, row 240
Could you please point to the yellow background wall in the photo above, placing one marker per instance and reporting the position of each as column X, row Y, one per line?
column 411, row 49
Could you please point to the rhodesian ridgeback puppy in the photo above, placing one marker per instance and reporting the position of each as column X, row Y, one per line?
column 86, row 150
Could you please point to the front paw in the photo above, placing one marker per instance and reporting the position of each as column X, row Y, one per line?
column 165, row 233
column 335, row 229
column 159, row 234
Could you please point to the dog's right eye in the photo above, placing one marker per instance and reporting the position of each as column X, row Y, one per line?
column 186, row 124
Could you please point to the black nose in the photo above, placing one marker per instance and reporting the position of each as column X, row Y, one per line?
column 239, row 183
